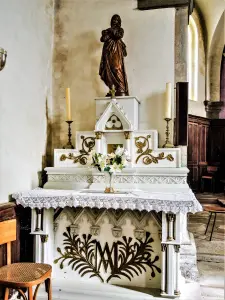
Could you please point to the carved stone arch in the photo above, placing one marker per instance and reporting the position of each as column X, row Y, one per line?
column 202, row 46
column 214, row 61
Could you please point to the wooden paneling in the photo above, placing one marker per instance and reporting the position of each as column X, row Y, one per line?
column 217, row 144
column 198, row 129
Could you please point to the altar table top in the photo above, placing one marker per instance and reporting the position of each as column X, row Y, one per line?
column 174, row 202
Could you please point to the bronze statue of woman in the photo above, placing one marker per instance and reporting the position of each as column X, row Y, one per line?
column 112, row 70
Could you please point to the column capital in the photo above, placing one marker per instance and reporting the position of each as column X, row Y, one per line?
column 163, row 247
column 213, row 108
column 98, row 135
column 177, row 248
column 127, row 135
column 170, row 217
column 44, row 238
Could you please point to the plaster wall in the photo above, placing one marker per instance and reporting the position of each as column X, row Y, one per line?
column 149, row 36
column 25, row 91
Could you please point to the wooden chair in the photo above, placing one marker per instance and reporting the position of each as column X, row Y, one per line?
column 22, row 276
column 210, row 175
column 213, row 209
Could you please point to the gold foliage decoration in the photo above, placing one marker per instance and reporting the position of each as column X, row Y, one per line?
column 88, row 144
column 144, row 151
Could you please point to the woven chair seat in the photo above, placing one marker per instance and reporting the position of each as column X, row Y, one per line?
column 23, row 274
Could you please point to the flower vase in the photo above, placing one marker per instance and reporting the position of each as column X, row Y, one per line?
column 109, row 182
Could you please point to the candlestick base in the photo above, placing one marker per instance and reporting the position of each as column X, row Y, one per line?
column 69, row 144
column 167, row 144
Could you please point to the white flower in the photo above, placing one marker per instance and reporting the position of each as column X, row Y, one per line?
column 111, row 155
column 124, row 161
column 119, row 151
column 116, row 168
column 102, row 165
column 126, row 153
column 93, row 152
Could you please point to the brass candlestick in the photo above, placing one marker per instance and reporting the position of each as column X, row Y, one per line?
column 69, row 145
column 168, row 144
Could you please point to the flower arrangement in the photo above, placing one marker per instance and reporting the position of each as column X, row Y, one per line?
column 111, row 163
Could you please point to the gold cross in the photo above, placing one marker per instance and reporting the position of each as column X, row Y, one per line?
column 113, row 91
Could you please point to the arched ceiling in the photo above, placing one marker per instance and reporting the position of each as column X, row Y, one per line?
column 211, row 11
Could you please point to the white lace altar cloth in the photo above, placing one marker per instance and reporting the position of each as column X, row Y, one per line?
column 159, row 201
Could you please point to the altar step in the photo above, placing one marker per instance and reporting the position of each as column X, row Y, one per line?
column 65, row 290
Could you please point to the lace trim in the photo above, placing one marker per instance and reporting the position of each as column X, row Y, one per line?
column 158, row 201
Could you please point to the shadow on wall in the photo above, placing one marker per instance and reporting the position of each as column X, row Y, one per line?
column 77, row 66
column 152, row 110
column 47, row 158
column 83, row 62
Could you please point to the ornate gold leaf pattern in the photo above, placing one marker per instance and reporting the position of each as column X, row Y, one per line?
column 88, row 144
column 142, row 144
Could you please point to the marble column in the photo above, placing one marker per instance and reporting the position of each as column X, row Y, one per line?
column 98, row 142
column 127, row 142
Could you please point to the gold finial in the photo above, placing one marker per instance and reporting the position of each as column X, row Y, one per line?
column 113, row 91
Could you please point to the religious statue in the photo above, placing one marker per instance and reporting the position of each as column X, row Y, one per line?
column 112, row 69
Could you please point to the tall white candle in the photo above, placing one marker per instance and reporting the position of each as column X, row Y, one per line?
column 168, row 104
column 68, row 105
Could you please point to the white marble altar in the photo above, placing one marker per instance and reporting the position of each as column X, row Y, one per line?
column 173, row 206
column 130, row 238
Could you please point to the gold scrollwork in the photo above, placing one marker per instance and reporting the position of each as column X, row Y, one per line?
column 88, row 144
column 142, row 144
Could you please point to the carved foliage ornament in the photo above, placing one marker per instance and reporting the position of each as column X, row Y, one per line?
column 125, row 258
column 144, row 151
column 88, row 144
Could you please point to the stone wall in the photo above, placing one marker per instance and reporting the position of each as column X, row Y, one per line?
column 149, row 36
column 25, row 91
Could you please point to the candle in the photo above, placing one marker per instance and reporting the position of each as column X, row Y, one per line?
column 168, row 104
column 68, row 105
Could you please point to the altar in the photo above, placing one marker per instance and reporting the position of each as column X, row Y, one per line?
column 134, row 237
